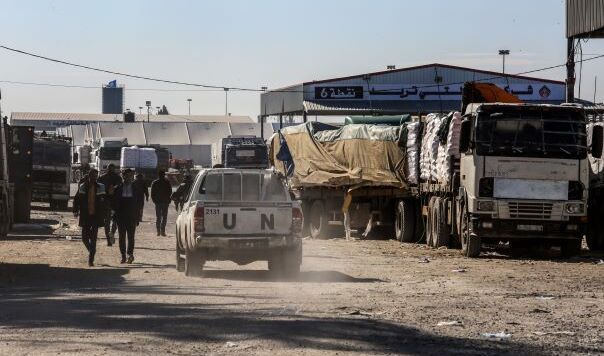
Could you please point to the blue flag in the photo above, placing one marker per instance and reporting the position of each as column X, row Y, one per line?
column 285, row 156
column 112, row 84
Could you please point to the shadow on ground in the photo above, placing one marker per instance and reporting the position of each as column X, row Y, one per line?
column 31, row 307
column 266, row 276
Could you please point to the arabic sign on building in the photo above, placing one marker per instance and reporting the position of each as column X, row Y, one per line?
column 527, row 92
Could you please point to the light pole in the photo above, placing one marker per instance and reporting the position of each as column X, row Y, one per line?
column 140, row 110
column 189, row 100
column 148, row 104
column 503, row 53
column 157, row 108
column 226, row 101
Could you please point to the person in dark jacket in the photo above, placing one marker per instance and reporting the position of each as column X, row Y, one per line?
column 143, row 187
column 90, row 204
column 161, row 191
column 181, row 192
column 127, row 198
column 110, row 180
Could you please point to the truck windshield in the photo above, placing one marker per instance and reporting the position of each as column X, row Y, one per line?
column 110, row 153
column 548, row 134
column 236, row 186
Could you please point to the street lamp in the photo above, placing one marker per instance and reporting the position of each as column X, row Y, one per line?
column 148, row 104
column 140, row 110
column 189, row 100
column 157, row 108
column 226, row 101
column 503, row 53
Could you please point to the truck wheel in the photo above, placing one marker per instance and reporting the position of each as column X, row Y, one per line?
column 319, row 228
column 306, row 212
column 180, row 262
column 420, row 223
column 193, row 263
column 570, row 248
column 470, row 242
column 62, row 204
column 405, row 221
column 594, row 235
column 441, row 229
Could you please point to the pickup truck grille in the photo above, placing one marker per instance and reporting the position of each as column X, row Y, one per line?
column 530, row 210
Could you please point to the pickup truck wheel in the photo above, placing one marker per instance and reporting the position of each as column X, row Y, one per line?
column 193, row 263
column 441, row 229
column 180, row 262
column 405, row 221
column 570, row 248
column 470, row 242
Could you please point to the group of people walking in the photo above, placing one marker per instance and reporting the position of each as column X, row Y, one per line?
column 116, row 203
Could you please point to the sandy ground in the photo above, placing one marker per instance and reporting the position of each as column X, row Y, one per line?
column 364, row 297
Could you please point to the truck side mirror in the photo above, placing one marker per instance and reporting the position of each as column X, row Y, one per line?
column 597, row 140
column 464, row 135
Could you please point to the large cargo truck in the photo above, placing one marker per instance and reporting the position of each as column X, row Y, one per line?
column 108, row 152
column 52, row 170
column 240, row 152
column 520, row 176
column 349, row 179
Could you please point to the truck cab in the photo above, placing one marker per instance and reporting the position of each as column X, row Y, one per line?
column 108, row 151
column 240, row 152
column 523, row 176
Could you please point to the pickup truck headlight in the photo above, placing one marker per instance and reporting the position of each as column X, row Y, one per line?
column 574, row 208
column 485, row 205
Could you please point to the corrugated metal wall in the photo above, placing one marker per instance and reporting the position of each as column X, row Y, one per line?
column 585, row 18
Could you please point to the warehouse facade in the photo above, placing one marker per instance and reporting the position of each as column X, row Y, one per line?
column 414, row 90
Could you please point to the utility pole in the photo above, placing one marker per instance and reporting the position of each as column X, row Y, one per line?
column 595, row 88
column 140, row 110
column 503, row 53
column 189, row 100
column 226, row 101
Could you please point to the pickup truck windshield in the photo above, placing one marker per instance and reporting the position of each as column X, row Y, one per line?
column 236, row 186
column 547, row 134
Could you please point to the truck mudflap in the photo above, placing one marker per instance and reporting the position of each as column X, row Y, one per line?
column 247, row 242
column 486, row 227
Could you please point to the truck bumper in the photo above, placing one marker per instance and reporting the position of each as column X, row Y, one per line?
column 504, row 229
column 247, row 242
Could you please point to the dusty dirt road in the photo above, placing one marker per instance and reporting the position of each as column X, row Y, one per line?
column 365, row 297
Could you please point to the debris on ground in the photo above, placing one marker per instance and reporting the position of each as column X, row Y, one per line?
column 543, row 333
column 450, row 323
column 497, row 336
column 540, row 311
column 460, row 270
column 600, row 262
column 424, row 259
column 230, row 344
column 545, row 297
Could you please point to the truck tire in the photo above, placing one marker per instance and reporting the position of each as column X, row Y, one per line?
column 62, row 205
column 180, row 262
column 318, row 225
column 594, row 235
column 470, row 242
column 441, row 229
column 405, row 221
column 570, row 248
column 420, row 223
column 193, row 263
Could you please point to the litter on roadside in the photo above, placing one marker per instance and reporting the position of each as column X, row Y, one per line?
column 450, row 323
column 600, row 262
column 424, row 260
column 545, row 297
column 543, row 333
column 497, row 336
column 540, row 311
column 460, row 270
column 230, row 344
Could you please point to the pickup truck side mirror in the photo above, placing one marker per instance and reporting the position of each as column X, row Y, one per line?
column 464, row 135
column 597, row 141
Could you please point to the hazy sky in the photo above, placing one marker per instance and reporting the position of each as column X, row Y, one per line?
column 264, row 42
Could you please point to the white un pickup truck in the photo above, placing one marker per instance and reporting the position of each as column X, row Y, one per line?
column 241, row 216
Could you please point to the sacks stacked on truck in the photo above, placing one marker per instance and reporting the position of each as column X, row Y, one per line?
column 449, row 148
column 413, row 149
column 429, row 148
column 137, row 157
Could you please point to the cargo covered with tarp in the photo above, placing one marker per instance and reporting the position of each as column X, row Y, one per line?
column 318, row 154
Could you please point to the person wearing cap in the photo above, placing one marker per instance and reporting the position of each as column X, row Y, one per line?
column 110, row 180
column 127, row 198
column 161, row 191
column 90, row 205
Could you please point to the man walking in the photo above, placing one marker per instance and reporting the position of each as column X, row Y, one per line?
column 110, row 180
column 142, row 185
column 161, row 190
column 90, row 204
column 126, row 201
column 181, row 192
